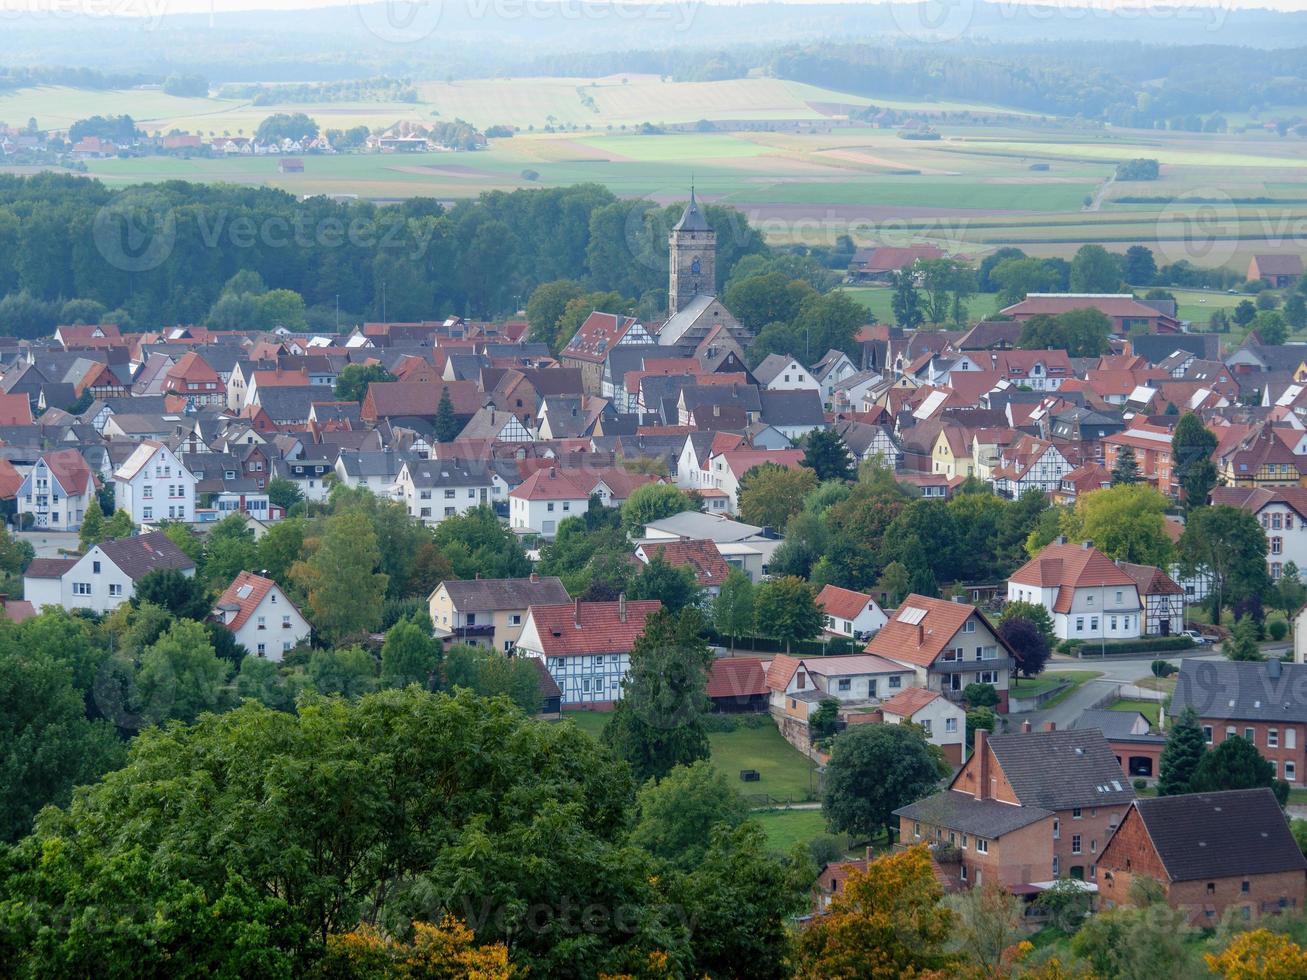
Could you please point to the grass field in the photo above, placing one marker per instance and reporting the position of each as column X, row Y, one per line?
column 1050, row 679
column 785, row 828
column 878, row 300
column 785, row 773
column 785, row 157
column 1149, row 709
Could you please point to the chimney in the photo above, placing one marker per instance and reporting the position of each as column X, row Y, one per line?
column 535, row 577
column 1061, row 539
column 1086, row 544
column 1273, row 665
column 478, row 576
column 717, row 411
column 921, row 634
column 576, row 613
column 552, row 472
column 621, row 606
column 1050, row 726
column 982, row 764
column 1025, row 727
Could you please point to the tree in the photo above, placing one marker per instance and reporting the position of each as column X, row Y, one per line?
column 1094, row 270
column 545, row 308
column 350, row 672
column 827, row 456
column 677, row 815
column 1242, row 645
column 786, row 608
column 1259, row 954
column 653, row 502
column 1270, row 327
column 353, row 380
column 92, row 530
column 874, row 770
column 978, row 719
column 769, row 494
column 180, row 675
column 229, row 550
column 674, row 585
column 1139, row 266
column 344, row 590
column 183, row 596
column 658, row 723
column 978, row 695
column 446, row 950
column 1290, row 592
column 280, row 126
column 888, row 922
column 732, row 609
column 490, row 674
column 987, row 922
column 894, row 583
column 1084, row 333
column 477, row 542
column 1244, row 312
column 1032, row 612
column 1126, row 523
column 1192, row 446
column 1236, row 764
column 1183, row 751
column 47, row 745
column 409, row 655
column 1146, row 943
column 1126, row 467
column 906, row 302
column 1295, row 311
column 447, row 426
column 946, row 284
column 283, row 493
column 1028, row 644
column 1231, row 545
column 279, row 549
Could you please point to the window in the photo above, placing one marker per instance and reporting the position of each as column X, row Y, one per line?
column 449, row 494
column 1290, row 770
column 1089, row 600
column 147, row 492
column 95, row 567
column 1275, row 521
column 261, row 623
column 987, row 677
column 1211, row 888
column 1076, row 814
column 285, row 621
column 1112, row 624
column 147, row 514
column 895, row 682
column 963, row 873
column 1080, row 624
column 982, row 845
column 550, row 506
column 1207, row 734
column 1055, row 865
column 1277, row 546
column 115, row 591
column 81, row 588
column 844, row 684
column 515, row 620
column 1272, row 738
column 1291, row 738
column 969, row 626
column 1243, row 887
column 1093, row 623
column 263, row 648
column 950, row 724
column 1057, row 829
column 1118, row 595
column 1251, row 735
column 925, row 727
column 1075, row 843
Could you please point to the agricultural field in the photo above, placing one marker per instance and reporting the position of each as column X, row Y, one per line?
column 791, row 163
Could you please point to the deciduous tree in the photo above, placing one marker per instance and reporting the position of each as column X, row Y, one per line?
column 786, row 608
column 344, row 590
column 874, row 770
column 770, row 494
column 677, row 815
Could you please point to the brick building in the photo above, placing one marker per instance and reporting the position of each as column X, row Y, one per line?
column 1211, row 852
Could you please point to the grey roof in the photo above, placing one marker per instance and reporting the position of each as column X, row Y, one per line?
column 292, row 403
column 708, row 527
column 792, row 407
column 1060, row 770
column 1117, row 725
column 145, row 553
column 1220, row 835
column 1242, row 691
column 770, row 366
column 966, row 814
column 692, row 218
column 489, row 594
column 365, row 464
column 450, row 473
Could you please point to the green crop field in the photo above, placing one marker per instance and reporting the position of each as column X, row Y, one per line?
column 785, row 828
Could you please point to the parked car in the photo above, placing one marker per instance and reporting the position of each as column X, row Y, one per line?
column 1198, row 638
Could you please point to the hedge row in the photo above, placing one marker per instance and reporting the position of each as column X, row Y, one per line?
column 1145, row 644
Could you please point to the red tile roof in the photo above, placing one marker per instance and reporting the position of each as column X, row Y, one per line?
column 735, row 677
column 598, row 335
column 780, row 670
column 1068, row 567
column 701, row 557
column 1151, row 580
column 892, row 258
column 922, row 641
column 10, row 480
column 246, row 591
column 193, row 369
column 1054, row 303
column 554, row 483
column 572, row 628
column 15, row 410
column 48, row 567
column 908, row 701
column 70, row 469
column 842, row 603
column 740, row 461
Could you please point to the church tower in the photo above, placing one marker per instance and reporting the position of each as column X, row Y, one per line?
column 692, row 258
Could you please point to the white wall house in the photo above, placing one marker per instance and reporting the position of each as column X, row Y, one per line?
column 153, row 485
column 850, row 614
column 551, row 495
column 260, row 617
column 780, row 372
column 58, row 491
column 433, row 489
column 105, row 577
column 1086, row 595
column 943, row 721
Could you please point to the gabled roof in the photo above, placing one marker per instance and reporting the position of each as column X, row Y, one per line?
column 801, row 407
column 1150, row 580
column 141, row 455
column 1288, row 264
column 774, row 364
column 964, row 813
column 1242, row 691
column 69, row 467
column 843, row 603
column 138, row 556
column 909, row 701
column 735, row 677
column 245, row 593
column 921, row 628
column 597, row 335
column 1237, row 833
column 1060, row 770
column 591, row 627
column 554, row 483
column 1112, row 304
column 15, row 409
column 1068, row 567
column 700, row 556
column 491, row 594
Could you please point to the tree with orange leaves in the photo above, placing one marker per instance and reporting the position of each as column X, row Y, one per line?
column 887, row 923
column 444, row 952
column 1259, row 955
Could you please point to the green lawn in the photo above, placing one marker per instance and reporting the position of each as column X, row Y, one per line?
column 1049, row 679
column 786, row 773
column 1149, row 709
column 877, row 300
column 785, row 828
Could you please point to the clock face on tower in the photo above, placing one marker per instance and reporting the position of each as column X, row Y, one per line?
column 694, row 265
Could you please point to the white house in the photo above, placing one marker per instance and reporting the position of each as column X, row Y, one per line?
column 58, row 490
column 260, row 617
column 1282, row 512
column 855, row 615
column 856, row 678
column 551, row 495
column 585, row 646
column 943, row 721
column 105, row 577
column 433, row 489
column 153, row 485
column 1029, row 463
column 780, row 372
column 1086, row 595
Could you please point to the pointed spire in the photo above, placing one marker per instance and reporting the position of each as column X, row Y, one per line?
column 692, row 219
